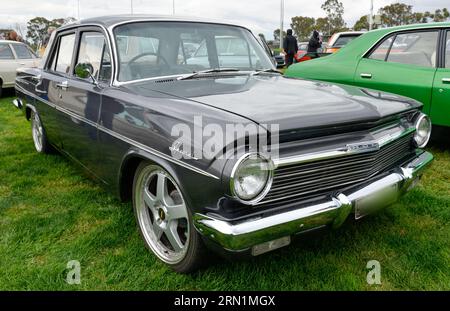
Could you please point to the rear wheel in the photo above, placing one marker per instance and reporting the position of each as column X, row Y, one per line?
column 164, row 219
column 39, row 137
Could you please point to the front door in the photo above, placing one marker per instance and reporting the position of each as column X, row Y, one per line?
column 81, row 99
column 404, row 64
column 440, row 106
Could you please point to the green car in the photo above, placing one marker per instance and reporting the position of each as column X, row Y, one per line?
column 412, row 61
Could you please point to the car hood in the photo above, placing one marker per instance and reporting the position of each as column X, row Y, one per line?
column 290, row 103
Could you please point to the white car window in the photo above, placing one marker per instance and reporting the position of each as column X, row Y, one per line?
column 22, row 51
column 5, row 51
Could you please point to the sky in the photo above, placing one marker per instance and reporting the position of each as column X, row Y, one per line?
column 262, row 16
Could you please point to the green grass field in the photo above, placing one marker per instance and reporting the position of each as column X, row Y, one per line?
column 51, row 213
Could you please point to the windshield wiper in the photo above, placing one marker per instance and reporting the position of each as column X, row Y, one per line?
column 213, row 70
column 269, row 70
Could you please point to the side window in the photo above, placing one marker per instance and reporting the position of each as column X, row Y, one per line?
column 106, row 67
column 381, row 51
column 22, row 51
column 447, row 51
column 5, row 51
column 417, row 49
column 91, row 50
column 64, row 58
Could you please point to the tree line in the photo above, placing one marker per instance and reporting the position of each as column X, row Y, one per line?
column 391, row 15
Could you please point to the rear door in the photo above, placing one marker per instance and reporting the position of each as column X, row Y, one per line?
column 403, row 63
column 440, row 106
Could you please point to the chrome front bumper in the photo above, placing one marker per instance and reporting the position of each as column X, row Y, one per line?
column 243, row 235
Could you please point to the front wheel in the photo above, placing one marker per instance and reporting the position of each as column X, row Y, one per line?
column 39, row 136
column 164, row 219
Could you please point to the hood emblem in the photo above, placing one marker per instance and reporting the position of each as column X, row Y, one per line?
column 363, row 147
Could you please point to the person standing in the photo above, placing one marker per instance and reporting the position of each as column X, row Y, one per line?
column 290, row 47
column 314, row 43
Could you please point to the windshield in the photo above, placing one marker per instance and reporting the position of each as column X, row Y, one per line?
column 154, row 49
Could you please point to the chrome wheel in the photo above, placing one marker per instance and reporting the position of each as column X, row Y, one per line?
column 38, row 132
column 162, row 214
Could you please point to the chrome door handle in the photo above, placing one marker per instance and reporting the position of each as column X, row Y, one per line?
column 22, row 64
column 445, row 80
column 63, row 85
column 366, row 75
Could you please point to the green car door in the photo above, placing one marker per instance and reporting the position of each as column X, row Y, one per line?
column 403, row 63
column 440, row 106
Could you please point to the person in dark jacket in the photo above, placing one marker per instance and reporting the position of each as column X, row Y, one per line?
column 314, row 42
column 290, row 47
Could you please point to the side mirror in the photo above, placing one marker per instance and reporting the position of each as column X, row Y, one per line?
column 84, row 71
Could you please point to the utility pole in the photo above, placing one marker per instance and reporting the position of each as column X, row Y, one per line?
column 371, row 15
column 281, row 23
column 131, row 4
column 173, row 7
column 78, row 9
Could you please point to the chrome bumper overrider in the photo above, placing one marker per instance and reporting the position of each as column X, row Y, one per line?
column 247, row 233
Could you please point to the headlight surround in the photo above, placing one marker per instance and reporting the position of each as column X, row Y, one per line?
column 423, row 130
column 251, row 178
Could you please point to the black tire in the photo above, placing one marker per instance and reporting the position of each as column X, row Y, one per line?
column 40, row 140
column 196, row 253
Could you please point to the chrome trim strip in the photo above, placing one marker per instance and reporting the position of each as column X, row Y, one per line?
column 363, row 147
column 242, row 235
column 120, row 136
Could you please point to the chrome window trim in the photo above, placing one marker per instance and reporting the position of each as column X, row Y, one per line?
column 397, row 31
column 120, row 136
column 366, row 146
column 77, row 27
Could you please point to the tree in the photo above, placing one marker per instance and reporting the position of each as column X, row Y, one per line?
column 303, row 26
column 361, row 24
column 37, row 28
column 335, row 11
column 322, row 25
column 276, row 34
column 396, row 14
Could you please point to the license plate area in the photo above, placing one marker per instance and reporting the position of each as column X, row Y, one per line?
column 376, row 201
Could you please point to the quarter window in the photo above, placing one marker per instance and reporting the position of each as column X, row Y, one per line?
column 5, row 51
column 65, row 53
column 415, row 49
column 22, row 51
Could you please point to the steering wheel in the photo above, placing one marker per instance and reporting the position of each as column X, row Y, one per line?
column 134, row 59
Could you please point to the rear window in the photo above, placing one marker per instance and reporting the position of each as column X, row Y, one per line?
column 344, row 40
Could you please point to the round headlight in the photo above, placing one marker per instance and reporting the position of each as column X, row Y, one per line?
column 251, row 178
column 423, row 130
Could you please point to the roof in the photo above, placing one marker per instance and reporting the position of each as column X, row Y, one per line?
column 11, row 41
column 111, row 20
column 414, row 26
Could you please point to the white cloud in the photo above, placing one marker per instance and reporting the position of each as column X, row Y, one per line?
column 260, row 16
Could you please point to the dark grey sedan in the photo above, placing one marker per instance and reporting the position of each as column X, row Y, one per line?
column 216, row 149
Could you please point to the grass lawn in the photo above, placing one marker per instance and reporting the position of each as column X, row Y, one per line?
column 50, row 214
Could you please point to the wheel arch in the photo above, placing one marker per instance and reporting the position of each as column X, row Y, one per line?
column 28, row 109
column 128, row 168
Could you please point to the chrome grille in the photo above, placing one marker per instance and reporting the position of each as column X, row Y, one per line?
column 325, row 176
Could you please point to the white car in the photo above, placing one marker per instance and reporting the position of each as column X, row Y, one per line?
column 14, row 55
